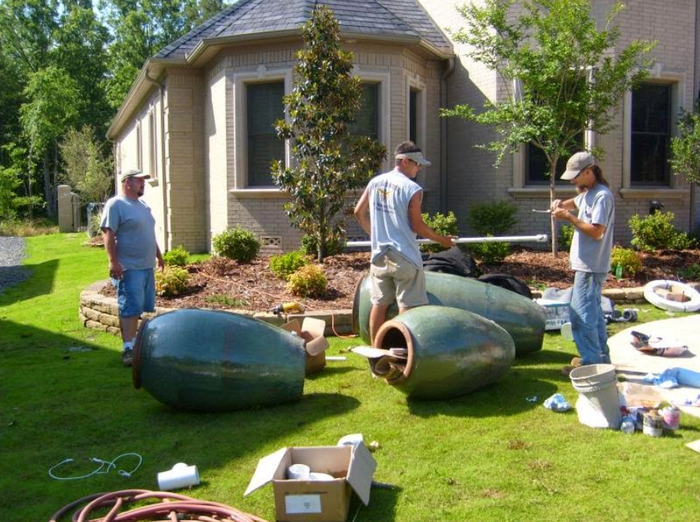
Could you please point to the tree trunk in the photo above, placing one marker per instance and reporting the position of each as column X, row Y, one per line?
column 48, row 189
column 552, row 197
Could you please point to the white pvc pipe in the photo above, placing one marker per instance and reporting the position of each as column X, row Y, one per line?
column 539, row 238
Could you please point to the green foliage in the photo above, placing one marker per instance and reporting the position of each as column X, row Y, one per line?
column 308, row 281
column 445, row 225
column 172, row 281
column 236, row 243
column 225, row 300
column 284, row 265
column 492, row 217
column 566, row 235
column 329, row 162
column 490, row 253
column 87, row 168
column 657, row 232
column 27, row 227
column 178, row 256
column 628, row 259
column 685, row 147
column 335, row 244
column 691, row 273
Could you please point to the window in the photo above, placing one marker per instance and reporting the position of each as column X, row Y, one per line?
column 651, row 135
column 152, row 145
column 139, row 147
column 264, row 108
column 367, row 118
column 537, row 168
column 413, row 115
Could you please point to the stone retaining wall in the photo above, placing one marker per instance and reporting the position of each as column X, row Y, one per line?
column 101, row 313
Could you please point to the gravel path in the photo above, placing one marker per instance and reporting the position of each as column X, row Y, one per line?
column 11, row 255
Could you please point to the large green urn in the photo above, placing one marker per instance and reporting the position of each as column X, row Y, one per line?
column 450, row 351
column 522, row 318
column 208, row 360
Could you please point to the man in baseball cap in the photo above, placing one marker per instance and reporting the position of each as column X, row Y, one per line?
column 576, row 164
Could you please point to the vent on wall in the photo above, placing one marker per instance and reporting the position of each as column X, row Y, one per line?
column 271, row 243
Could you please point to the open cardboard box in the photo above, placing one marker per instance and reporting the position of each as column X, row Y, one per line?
column 315, row 344
column 316, row 500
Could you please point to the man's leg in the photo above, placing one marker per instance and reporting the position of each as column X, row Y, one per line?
column 599, row 280
column 585, row 313
column 129, row 326
column 377, row 317
column 130, row 297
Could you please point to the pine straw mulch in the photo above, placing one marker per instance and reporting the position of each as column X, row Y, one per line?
column 224, row 284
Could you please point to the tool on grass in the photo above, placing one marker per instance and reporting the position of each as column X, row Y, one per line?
column 285, row 308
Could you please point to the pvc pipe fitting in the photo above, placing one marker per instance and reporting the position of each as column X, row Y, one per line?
column 180, row 476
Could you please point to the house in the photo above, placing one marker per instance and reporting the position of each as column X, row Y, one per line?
column 199, row 116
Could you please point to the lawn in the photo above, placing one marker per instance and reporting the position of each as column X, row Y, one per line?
column 491, row 455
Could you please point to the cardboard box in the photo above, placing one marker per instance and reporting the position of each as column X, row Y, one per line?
column 675, row 293
column 557, row 313
column 316, row 500
column 311, row 330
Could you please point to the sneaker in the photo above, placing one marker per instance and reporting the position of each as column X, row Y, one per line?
column 127, row 357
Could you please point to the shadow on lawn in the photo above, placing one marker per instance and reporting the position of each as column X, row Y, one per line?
column 42, row 274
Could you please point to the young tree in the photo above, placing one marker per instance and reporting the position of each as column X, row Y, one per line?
column 569, row 80
column 329, row 161
column 685, row 148
column 87, row 169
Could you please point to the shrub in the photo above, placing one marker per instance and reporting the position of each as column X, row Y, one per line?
column 628, row 259
column 566, row 235
column 490, row 253
column 284, row 265
column 171, row 281
column 236, row 243
column 492, row 218
column 656, row 232
column 445, row 225
column 692, row 273
column 334, row 245
column 178, row 256
column 308, row 281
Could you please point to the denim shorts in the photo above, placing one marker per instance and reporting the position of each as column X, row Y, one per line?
column 136, row 292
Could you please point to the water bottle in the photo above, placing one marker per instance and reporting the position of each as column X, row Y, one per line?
column 628, row 425
column 618, row 271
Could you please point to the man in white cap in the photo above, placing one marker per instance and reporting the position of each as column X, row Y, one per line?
column 132, row 250
column 589, row 257
column 390, row 212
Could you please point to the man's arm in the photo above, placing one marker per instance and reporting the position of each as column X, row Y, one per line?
column 419, row 227
column 560, row 210
column 110, row 241
column 362, row 213
column 159, row 256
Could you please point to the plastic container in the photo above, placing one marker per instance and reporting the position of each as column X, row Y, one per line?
column 628, row 425
column 598, row 405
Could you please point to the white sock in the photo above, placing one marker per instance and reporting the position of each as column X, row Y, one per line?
column 128, row 345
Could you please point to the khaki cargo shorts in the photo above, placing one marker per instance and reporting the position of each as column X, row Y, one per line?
column 395, row 278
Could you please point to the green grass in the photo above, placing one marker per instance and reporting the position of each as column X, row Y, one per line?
column 490, row 455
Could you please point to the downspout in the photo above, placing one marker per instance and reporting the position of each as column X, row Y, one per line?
column 693, row 218
column 443, row 134
column 161, row 136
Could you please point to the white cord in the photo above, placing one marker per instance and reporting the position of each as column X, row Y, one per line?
column 104, row 467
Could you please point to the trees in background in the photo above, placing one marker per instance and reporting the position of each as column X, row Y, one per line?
column 559, row 70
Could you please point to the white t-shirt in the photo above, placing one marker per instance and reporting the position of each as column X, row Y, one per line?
column 389, row 196
column 595, row 206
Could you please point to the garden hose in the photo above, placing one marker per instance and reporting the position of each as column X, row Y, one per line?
column 169, row 507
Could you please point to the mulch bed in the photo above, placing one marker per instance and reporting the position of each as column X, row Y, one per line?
column 224, row 284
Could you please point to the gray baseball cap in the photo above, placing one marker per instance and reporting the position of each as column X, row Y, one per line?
column 577, row 163
column 133, row 173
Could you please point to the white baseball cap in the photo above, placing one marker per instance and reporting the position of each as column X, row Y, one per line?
column 576, row 164
column 133, row 173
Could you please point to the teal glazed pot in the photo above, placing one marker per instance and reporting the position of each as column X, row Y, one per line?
column 522, row 318
column 451, row 352
column 208, row 360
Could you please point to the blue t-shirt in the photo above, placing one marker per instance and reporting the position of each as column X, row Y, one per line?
column 389, row 196
column 595, row 206
column 133, row 225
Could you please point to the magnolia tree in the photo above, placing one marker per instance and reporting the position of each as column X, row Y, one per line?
column 328, row 160
column 563, row 73
column 685, row 148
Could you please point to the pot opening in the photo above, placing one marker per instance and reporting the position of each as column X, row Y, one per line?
column 396, row 338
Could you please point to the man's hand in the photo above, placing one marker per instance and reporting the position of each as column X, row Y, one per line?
column 161, row 264
column 116, row 271
column 447, row 241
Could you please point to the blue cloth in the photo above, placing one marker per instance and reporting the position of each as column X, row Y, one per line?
column 389, row 195
column 595, row 206
column 136, row 292
column 588, row 319
column 134, row 227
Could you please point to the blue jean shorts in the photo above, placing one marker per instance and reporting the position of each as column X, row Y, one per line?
column 136, row 292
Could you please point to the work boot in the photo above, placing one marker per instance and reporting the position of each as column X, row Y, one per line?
column 127, row 357
column 575, row 363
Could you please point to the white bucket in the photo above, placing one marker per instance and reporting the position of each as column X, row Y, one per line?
column 598, row 405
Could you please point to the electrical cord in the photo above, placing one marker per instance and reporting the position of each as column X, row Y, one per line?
column 105, row 466
column 169, row 507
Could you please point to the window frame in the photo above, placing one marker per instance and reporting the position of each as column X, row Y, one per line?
column 240, row 81
column 384, row 81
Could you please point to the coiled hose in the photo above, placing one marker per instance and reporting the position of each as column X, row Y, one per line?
column 170, row 507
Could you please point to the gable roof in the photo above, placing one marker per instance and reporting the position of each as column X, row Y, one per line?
column 399, row 19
